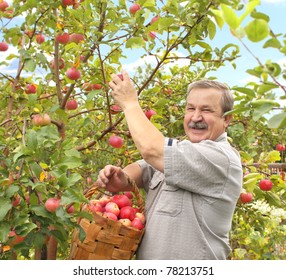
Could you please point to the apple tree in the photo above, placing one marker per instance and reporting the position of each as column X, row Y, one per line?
column 59, row 126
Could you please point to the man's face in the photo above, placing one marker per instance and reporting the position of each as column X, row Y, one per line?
column 204, row 116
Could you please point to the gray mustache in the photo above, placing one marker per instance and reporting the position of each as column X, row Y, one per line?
column 199, row 125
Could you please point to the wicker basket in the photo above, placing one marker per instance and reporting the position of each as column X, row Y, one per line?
column 106, row 239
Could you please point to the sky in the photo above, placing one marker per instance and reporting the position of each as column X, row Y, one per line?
column 276, row 9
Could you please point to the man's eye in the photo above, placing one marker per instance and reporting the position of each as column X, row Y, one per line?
column 190, row 108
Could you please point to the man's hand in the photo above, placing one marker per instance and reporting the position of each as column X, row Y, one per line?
column 113, row 179
column 123, row 91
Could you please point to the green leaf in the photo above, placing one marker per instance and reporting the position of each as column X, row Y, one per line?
column 24, row 229
column 211, row 29
column 261, row 102
column 261, row 111
column 31, row 139
column 272, row 43
column 71, row 195
column 36, row 168
column 272, row 156
column 218, row 18
column 4, row 231
column 172, row 6
column 273, row 199
column 163, row 23
column 12, row 190
column 257, row 30
column 30, row 65
column 230, row 16
column 6, row 205
column 249, row 92
column 277, row 121
column 266, row 87
column 135, row 43
column 249, row 8
column 40, row 210
column 250, row 184
column 70, row 162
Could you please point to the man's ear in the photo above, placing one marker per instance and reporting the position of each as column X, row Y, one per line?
column 227, row 119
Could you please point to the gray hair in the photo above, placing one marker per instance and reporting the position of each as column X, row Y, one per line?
column 227, row 97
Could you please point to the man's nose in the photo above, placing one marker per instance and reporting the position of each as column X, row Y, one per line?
column 197, row 116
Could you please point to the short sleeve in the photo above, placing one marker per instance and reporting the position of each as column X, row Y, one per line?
column 201, row 168
column 147, row 173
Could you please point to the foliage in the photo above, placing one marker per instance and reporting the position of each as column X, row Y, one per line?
column 58, row 160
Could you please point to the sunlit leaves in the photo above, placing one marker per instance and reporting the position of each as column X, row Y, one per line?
column 257, row 30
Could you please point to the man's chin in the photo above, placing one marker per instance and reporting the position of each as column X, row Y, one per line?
column 196, row 138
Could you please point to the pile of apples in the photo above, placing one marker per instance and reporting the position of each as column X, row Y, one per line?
column 119, row 207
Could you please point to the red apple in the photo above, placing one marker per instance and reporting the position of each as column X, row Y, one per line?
column 61, row 63
column 52, row 204
column 265, row 185
column 134, row 8
column 68, row 2
column 3, row 6
column 111, row 216
column 150, row 113
column 154, row 19
column 17, row 238
column 280, row 147
column 152, row 34
column 62, row 38
column 29, row 33
column 73, row 73
column 76, row 38
column 89, row 86
column 40, row 38
column 125, row 222
column 27, row 198
column 104, row 200
column 39, row 120
column 16, row 200
column 129, row 194
column 115, row 109
column 96, row 86
column 140, row 216
column 127, row 212
column 137, row 223
column 95, row 207
column 115, row 141
column 112, row 207
column 70, row 209
column 71, row 104
column 31, row 88
column 121, row 200
column 246, row 197
column 3, row 46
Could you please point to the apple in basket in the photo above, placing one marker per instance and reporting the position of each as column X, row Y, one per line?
column 137, row 223
column 127, row 212
column 111, row 216
column 125, row 222
column 112, row 207
column 95, row 207
column 121, row 200
column 118, row 207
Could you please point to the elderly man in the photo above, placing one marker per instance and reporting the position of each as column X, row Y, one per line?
column 192, row 185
